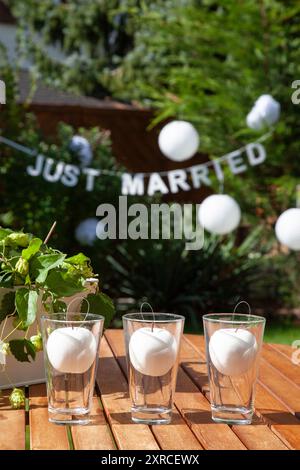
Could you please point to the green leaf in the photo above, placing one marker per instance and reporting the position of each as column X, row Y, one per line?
column 32, row 249
column 18, row 239
column 26, row 305
column 7, row 303
column 4, row 232
column 22, row 349
column 99, row 304
column 79, row 259
column 61, row 284
column 6, row 279
column 41, row 265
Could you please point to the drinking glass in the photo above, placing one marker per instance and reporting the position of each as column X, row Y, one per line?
column 233, row 345
column 152, row 343
column 71, row 345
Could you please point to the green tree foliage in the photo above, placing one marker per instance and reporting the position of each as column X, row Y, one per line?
column 88, row 35
column 205, row 61
column 193, row 283
column 31, row 203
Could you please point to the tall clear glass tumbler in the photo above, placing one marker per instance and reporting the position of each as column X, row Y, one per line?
column 152, row 343
column 233, row 345
column 71, row 345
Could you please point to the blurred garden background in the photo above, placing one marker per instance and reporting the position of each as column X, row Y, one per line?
column 115, row 72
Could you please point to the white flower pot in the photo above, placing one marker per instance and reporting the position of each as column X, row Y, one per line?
column 26, row 373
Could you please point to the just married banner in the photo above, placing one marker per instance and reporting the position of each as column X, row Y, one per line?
column 172, row 181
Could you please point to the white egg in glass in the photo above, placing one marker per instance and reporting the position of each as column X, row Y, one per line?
column 71, row 350
column 152, row 351
column 233, row 350
column 287, row 228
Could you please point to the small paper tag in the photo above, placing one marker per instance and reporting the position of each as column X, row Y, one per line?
column 2, row 355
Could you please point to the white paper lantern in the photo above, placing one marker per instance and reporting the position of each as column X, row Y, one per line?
column 152, row 352
column 287, row 228
column 82, row 147
column 219, row 214
column 71, row 350
column 232, row 351
column 178, row 140
column 266, row 111
column 86, row 231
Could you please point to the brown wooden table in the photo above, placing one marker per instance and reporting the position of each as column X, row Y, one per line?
column 276, row 424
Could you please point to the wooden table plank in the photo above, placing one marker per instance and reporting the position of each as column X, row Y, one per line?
column 12, row 424
column 44, row 435
column 282, row 363
column 284, row 349
column 193, row 407
column 283, row 423
column 96, row 435
column 176, row 435
column 281, row 387
column 116, row 402
column 257, row 436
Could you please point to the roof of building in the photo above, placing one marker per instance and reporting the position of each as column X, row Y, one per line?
column 5, row 14
column 46, row 95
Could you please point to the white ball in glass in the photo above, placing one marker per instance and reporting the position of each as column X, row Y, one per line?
column 71, row 350
column 232, row 351
column 219, row 214
column 287, row 228
column 178, row 140
column 152, row 352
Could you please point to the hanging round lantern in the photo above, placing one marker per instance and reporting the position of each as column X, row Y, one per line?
column 219, row 214
column 81, row 146
column 178, row 140
column 87, row 231
column 287, row 228
column 265, row 112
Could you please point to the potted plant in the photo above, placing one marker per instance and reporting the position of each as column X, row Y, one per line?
column 36, row 278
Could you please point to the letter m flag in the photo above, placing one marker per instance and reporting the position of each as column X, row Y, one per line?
column 2, row 92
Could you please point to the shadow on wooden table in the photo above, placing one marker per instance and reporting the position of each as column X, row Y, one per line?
column 96, row 420
column 5, row 405
column 281, row 417
column 125, row 418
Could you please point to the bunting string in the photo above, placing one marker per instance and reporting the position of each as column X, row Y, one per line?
column 133, row 183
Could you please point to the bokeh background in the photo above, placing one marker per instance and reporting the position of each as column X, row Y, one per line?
column 115, row 72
